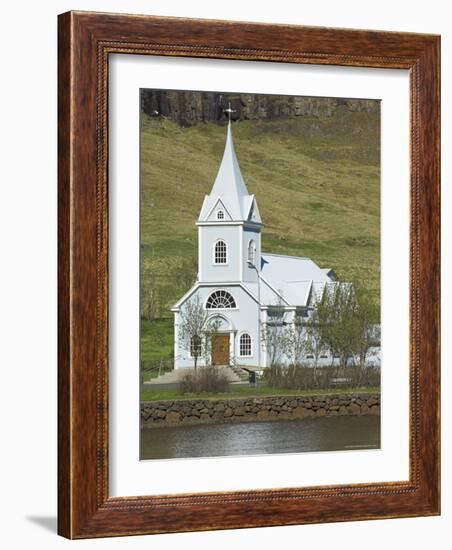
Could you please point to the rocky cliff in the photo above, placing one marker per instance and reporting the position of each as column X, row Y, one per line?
column 189, row 108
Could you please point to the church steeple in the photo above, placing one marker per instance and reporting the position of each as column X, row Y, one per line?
column 229, row 193
column 229, row 226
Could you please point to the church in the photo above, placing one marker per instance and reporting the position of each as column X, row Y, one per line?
column 240, row 286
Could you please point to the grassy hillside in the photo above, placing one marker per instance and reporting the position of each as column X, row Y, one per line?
column 317, row 183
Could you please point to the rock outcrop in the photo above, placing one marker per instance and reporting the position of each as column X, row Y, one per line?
column 190, row 108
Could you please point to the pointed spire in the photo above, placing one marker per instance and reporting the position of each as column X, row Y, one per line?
column 229, row 186
column 229, row 179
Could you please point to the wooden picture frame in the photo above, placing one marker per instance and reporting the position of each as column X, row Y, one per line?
column 86, row 40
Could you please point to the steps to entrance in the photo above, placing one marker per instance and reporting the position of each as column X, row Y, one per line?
column 241, row 374
column 234, row 374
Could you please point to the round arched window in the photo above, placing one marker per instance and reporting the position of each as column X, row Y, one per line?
column 221, row 252
column 220, row 215
column 245, row 345
column 251, row 254
column 220, row 299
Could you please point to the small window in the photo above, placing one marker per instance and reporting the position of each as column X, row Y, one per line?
column 275, row 312
column 220, row 215
column 245, row 345
column 195, row 346
column 251, row 254
column 221, row 252
column 220, row 299
column 301, row 311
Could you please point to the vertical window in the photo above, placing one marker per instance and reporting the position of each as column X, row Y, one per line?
column 195, row 346
column 251, row 254
column 245, row 345
column 220, row 215
column 221, row 253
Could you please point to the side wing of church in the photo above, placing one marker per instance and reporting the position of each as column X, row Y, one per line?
column 238, row 285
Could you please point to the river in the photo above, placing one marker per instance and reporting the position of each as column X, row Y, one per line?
column 258, row 438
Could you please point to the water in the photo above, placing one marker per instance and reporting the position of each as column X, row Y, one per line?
column 258, row 438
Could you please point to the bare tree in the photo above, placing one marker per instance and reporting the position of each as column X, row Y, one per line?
column 196, row 330
column 276, row 336
column 192, row 322
column 366, row 313
column 346, row 314
column 337, row 321
column 211, row 328
column 298, row 342
column 315, row 344
column 150, row 296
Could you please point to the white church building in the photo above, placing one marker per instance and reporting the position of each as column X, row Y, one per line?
column 237, row 283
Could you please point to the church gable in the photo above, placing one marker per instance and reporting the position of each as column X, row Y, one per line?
column 218, row 212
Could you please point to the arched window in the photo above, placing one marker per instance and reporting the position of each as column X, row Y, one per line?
column 245, row 345
column 221, row 252
column 220, row 299
column 251, row 251
column 220, row 215
column 195, row 346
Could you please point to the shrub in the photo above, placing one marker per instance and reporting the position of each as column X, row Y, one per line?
column 298, row 377
column 290, row 377
column 204, row 379
column 368, row 376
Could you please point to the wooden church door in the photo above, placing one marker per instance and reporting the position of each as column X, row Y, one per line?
column 220, row 349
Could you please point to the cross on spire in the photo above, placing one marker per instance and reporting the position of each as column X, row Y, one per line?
column 229, row 111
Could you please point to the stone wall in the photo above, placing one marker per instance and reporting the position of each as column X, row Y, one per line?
column 164, row 413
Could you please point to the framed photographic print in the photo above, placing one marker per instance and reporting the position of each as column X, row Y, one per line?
column 248, row 275
column 230, row 334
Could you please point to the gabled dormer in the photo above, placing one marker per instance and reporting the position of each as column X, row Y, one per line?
column 219, row 212
column 252, row 211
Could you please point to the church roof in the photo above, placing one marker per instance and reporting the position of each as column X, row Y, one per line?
column 290, row 280
column 291, row 269
column 230, row 190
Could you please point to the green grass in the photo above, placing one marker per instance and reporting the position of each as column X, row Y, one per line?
column 316, row 180
column 171, row 394
column 156, row 339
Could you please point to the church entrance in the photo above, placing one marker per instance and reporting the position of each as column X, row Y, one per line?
column 220, row 349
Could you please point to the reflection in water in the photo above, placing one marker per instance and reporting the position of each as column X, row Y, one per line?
column 285, row 436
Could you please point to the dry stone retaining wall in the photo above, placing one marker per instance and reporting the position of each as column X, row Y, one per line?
column 205, row 411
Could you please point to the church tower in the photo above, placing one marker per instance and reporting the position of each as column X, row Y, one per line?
column 229, row 226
